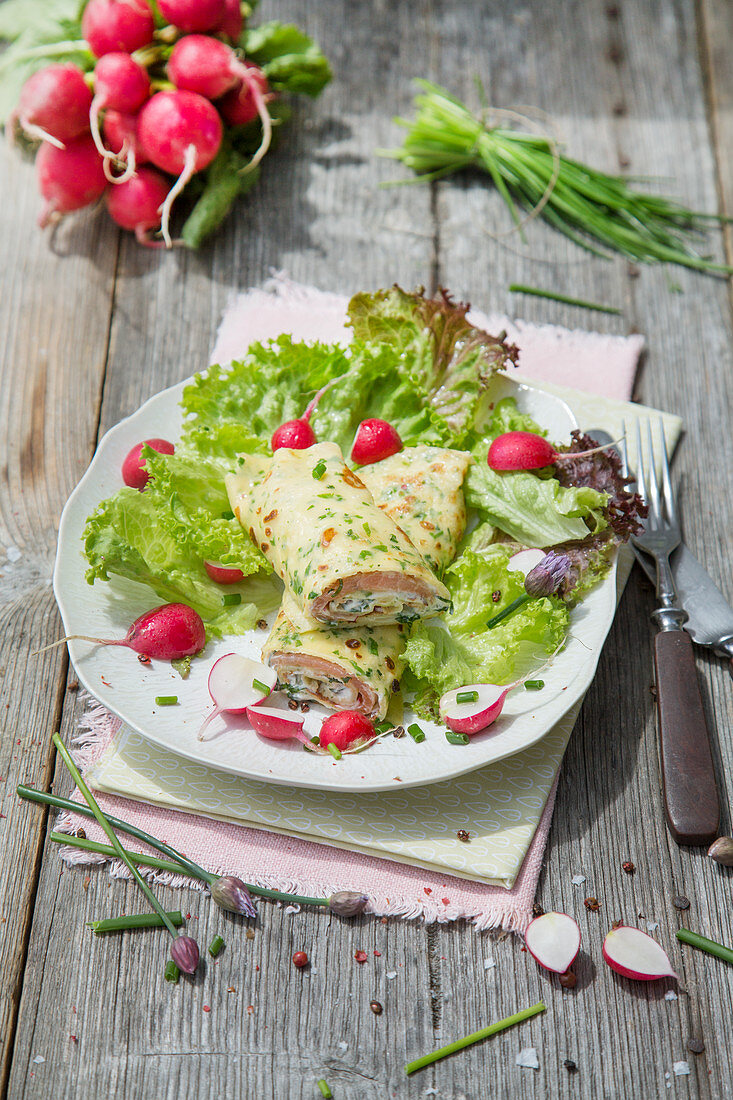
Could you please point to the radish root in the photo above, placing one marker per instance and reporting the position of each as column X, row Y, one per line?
column 71, row 638
column 189, row 167
column 256, row 92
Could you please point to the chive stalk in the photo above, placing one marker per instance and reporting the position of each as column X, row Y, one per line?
column 231, row 599
column 538, row 292
column 134, row 920
column 171, row 972
column 534, row 685
column 417, row 734
column 456, row 738
column 319, row 470
column 107, row 850
column 215, row 946
column 475, row 1037
column 467, row 697
column 334, row 750
column 261, row 687
column 102, row 820
column 509, row 610
column 325, row 1090
column 166, row 700
column 694, row 939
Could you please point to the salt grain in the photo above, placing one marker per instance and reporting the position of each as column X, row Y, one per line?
column 13, row 553
column 342, row 1045
column 39, row 1060
column 391, row 974
column 292, row 908
column 578, row 880
column 489, row 964
column 651, row 925
column 527, row 1058
column 670, row 995
column 681, row 1069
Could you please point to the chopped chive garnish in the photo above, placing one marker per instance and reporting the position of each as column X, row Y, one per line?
column 227, row 515
column 467, row 697
column 315, row 740
column 325, row 1090
column 215, row 946
column 231, row 599
column 319, row 470
column 534, row 685
column 537, row 292
column 166, row 700
column 334, row 750
column 261, row 687
column 508, row 610
column 172, row 973
column 135, row 920
column 694, row 939
column 476, row 1037
column 456, row 738
column 416, row 733
column 383, row 727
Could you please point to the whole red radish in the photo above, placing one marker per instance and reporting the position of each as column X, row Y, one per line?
column 181, row 133
column 244, row 103
column 375, row 440
column 193, row 15
column 528, row 451
column 345, row 729
column 203, row 64
column 168, row 633
column 223, row 574
column 134, row 473
column 294, row 434
column 232, row 24
column 120, row 134
column 122, row 85
column 54, row 105
column 113, row 25
column 69, row 178
column 135, row 204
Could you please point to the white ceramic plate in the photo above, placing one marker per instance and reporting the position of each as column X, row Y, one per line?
column 117, row 679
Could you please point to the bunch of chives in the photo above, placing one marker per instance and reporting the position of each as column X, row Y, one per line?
column 590, row 207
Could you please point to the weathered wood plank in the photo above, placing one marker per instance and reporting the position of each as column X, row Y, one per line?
column 55, row 307
column 716, row 33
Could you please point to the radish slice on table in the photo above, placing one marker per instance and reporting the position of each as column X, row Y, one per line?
column 277, row 725
column 632, row 953
column 525, row 561
column 235, row 683
column 476, row 715
column 553, row 940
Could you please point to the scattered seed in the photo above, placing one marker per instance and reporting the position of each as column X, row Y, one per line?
column 73, row 685
column 681, row 902
column 695, row 1045
column 628, row 867
column 207, row 1008
column 300, row 959
column 304, row 707
column 360, row 956
column 376, row 1008
column 250, row 933
column 292, row 704
column 395, row 686
column 262, row 624
column 537, row 910
column 570, row 1065
column 463, row 835
column 568, row 979
column 592, row 904
column 80, row 833
column 496, row 596
column 617, row 924
column 143, row 658
column 398, row 731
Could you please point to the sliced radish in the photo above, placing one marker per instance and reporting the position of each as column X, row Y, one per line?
column 223, row 574
column 553, row 940
column 234, row 685
column 630, row 952
column 525, row 561
column 472, row 717
column 277, row 725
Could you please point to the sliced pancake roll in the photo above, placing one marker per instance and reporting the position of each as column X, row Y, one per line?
column 342, row 559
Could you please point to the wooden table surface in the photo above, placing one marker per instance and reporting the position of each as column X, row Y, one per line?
column 92, row 325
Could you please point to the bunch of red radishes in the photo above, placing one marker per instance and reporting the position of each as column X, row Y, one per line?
column 150, row 115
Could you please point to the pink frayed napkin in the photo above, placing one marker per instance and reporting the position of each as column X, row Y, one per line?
column 589, row 362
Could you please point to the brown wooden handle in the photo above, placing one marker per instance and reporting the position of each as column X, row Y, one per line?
column 688, row 777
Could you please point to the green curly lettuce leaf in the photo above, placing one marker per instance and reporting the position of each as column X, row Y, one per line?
column 446, row 654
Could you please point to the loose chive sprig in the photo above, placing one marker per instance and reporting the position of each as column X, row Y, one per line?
column 598, row 211
column 694, row 939
column 475, row 1037
column 134, row 920
column 553, row 296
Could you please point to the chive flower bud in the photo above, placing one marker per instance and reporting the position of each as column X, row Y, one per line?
column 547, row 578
column 185, row 953
column 230, row 893
column 347, row 903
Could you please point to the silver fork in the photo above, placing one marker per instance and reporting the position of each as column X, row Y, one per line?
column 688, row 777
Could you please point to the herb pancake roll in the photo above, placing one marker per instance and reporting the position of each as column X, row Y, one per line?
column 342, row 559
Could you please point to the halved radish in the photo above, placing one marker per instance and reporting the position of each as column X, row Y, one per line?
column 475, row 715
column 630, row 952
column 235, row 683
column 553, row 940
column 223, row 574
column 277, row 725
column 525, row 561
